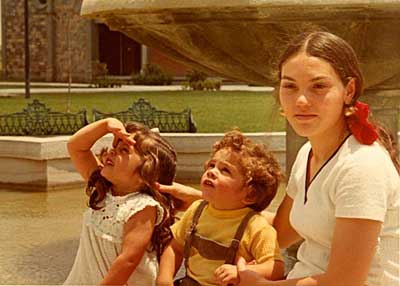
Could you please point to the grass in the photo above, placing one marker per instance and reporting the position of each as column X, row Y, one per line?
column 213, row 112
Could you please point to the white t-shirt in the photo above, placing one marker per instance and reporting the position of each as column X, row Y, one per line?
column 359, row 181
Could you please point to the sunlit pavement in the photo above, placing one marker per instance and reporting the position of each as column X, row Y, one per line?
column 84, row 88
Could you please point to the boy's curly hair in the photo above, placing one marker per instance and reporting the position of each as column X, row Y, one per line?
column 260, row 168
column 159, row 165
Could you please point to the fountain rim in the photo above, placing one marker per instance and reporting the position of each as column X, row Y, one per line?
column 90, row 7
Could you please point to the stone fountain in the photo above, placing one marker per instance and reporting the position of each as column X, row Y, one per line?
column 242, row 39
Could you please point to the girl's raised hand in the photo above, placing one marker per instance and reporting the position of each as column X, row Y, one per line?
column 117, row 128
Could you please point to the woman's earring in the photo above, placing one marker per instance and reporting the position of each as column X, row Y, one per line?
column 282, row 112
column 349, row 110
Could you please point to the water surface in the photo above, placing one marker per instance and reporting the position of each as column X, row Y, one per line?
column 39, row 235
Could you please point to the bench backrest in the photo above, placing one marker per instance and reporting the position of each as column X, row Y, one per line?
column 142, row 111
column 38, row 120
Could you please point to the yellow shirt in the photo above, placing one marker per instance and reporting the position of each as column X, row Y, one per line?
column 259, row 241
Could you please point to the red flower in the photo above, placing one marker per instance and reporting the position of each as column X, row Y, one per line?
column 360, row 127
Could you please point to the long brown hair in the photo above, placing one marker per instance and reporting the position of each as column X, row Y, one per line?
column 159, row 165
column 343, row 59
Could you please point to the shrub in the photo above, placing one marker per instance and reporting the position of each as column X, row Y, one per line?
column 198, row 81
column 152, row 74
column 185, row 85
column 99, row 76
column 106, row 82
column 99, row 69
column 195, row 76
column 212, row 84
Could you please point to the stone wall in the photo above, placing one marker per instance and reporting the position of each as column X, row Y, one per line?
column 78, row 51
column 39, row 44
column 54, row 30
column 60, row 40
column 13, row 15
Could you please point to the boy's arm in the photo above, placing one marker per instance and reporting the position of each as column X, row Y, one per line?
column 271, row 270
column 172, row 256
column 262, row 244
column 170, row 261
column 81, row 142
column 137, row 235
column 264, row 247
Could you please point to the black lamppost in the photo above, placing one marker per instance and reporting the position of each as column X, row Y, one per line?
column 27, row 58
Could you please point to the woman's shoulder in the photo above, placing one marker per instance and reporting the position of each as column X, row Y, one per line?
column 368, row 163
column 363, row 156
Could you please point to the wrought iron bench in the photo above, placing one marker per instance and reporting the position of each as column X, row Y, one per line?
column 38, row 120
column 142, row 111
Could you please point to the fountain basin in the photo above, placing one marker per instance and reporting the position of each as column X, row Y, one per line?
column 43, row 163
column 243, row 39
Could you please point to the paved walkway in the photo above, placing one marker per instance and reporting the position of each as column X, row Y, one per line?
column 84, row 88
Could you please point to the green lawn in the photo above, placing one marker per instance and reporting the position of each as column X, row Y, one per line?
column 213, row 111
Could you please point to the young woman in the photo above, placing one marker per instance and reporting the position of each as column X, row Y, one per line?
column 343, row 193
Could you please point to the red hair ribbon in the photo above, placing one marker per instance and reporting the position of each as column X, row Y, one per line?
column 360, row 127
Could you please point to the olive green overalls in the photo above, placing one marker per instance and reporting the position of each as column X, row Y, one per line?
column 210, row 249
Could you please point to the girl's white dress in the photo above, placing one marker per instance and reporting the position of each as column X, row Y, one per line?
column 101, row 241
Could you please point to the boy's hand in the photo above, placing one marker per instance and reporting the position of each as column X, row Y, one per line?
column 248, row 277
column 117, row 128
column 226, row 275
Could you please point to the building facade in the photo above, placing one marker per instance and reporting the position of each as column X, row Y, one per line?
column 64, row 44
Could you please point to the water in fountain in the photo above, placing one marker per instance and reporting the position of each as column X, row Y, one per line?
column 40, row 234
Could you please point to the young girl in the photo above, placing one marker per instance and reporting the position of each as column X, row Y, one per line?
column 127, row 225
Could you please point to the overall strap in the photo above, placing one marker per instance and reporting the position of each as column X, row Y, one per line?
column 233, row 248
column 209, row 248
column 191, row 232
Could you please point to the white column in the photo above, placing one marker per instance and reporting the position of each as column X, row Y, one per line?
column 143, row 57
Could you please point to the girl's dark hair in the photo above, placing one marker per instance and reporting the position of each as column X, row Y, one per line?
column 259, row 167
column 159, row 165
column 341, row 56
